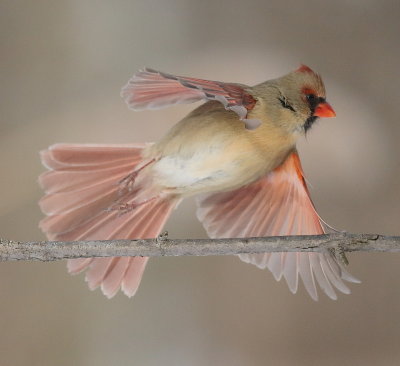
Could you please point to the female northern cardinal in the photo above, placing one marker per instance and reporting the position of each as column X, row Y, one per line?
column 237, row 152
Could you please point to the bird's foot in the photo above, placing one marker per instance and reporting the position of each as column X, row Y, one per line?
column 124, row 208
column 127, row 183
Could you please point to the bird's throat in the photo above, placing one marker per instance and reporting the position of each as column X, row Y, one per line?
column 309, row 122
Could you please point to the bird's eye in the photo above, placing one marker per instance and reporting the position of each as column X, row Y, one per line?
column 311, row 97
column 312, row 100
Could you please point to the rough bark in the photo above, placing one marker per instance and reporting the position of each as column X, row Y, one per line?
column 163, row 246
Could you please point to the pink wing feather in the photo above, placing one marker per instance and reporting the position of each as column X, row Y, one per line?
column 278, row 204
column 80, row 186
column 151, row 89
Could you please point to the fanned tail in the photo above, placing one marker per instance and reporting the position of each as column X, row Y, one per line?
column 85, row 195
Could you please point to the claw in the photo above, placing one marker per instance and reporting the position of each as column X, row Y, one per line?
column 124, row 208
column 127, row 183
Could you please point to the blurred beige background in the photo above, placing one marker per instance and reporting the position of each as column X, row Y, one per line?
column 62, row 66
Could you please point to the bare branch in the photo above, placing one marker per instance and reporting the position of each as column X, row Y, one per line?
column 162, row 246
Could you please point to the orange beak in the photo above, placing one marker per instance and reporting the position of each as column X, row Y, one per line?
column 324, row 110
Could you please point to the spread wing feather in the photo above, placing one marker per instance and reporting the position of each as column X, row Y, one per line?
column 276, row 205
column 151, row 89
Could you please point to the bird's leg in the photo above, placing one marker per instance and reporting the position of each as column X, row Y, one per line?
column 126, row 190
column 127, row 183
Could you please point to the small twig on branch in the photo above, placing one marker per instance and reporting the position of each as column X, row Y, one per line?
column 162, row 246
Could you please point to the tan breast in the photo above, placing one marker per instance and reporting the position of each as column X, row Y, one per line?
column 210, row 150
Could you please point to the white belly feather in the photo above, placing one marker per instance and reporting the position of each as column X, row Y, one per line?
column 203, row 169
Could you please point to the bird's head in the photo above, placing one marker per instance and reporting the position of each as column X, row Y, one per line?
column 297, row 99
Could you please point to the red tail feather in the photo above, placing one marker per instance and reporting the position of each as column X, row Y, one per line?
column 84, row 181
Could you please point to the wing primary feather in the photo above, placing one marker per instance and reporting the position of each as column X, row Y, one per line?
column 306, row 275
column 277, row 204
column 290, row 271
column 151, row 89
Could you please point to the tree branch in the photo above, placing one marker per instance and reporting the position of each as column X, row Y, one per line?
column 162, row 246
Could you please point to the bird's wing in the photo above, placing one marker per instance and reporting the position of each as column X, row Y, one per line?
column 151, row 89
column 276, row 205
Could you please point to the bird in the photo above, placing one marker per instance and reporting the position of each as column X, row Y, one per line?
column 236, row 153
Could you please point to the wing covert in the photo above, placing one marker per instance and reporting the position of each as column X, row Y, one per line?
column 151, row 89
